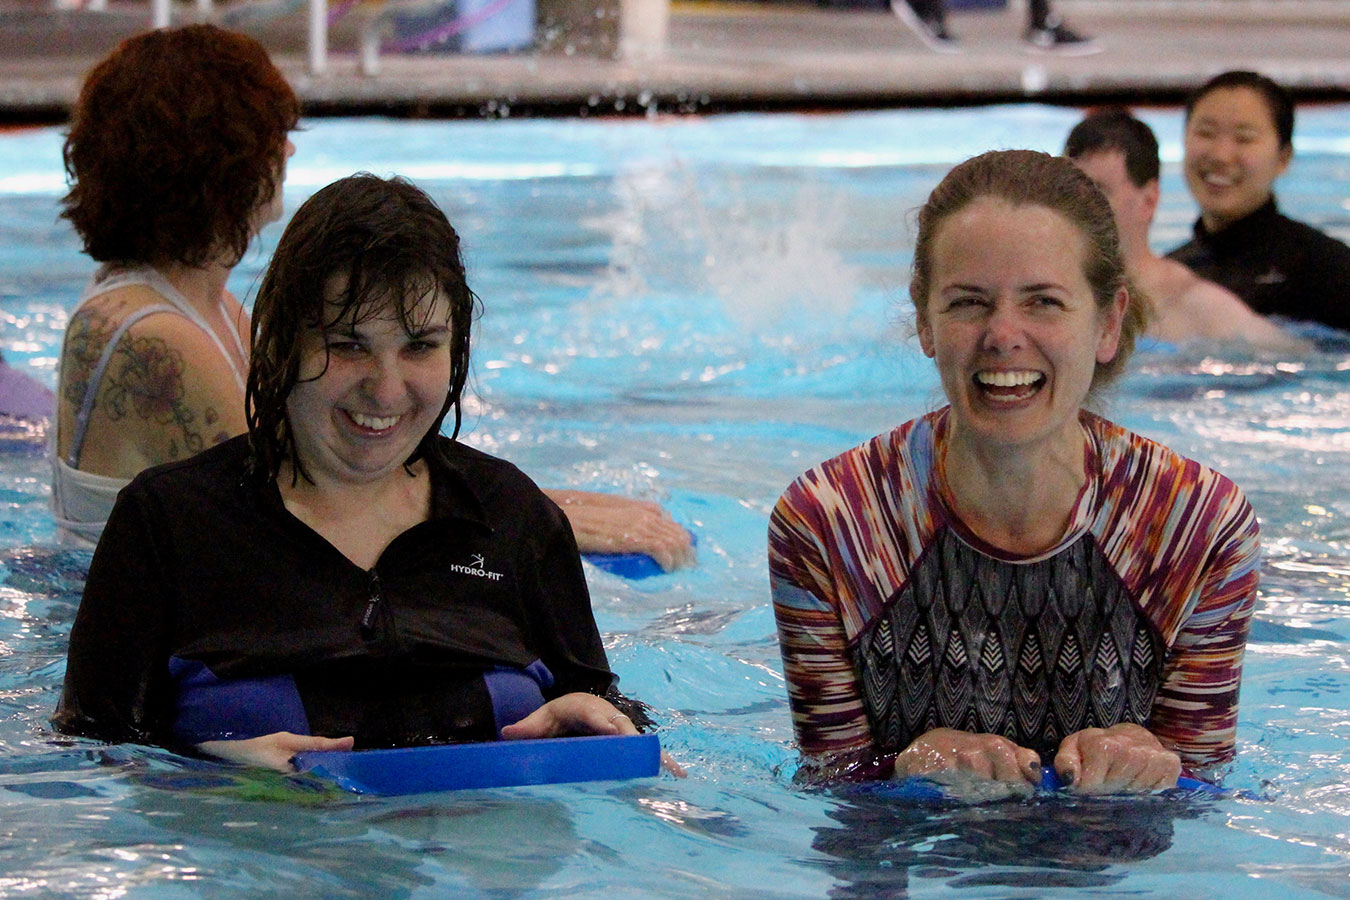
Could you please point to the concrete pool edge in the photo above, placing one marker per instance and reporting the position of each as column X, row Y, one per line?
column 745, row 55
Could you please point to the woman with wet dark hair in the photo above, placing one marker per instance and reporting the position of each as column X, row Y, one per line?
column 343, row 574
column 176, row 154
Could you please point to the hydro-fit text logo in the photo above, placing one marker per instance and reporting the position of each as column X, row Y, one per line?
column 476, row 569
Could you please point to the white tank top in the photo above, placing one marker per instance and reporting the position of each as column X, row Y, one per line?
column 81, row 501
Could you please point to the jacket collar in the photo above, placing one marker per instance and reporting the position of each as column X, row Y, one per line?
column 1241, row 232
column 453, row 495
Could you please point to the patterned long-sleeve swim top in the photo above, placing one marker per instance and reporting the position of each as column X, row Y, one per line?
column 894, row 618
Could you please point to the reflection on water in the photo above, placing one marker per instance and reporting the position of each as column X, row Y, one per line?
column 879, row 849
column 696, row 311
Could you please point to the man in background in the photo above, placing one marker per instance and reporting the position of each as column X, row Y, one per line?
column 1120, row 154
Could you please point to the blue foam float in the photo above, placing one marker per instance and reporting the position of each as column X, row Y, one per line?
column 492, row 764
column 1051, row 782
column 630, row 565
column 625, row 565
column 918, row 789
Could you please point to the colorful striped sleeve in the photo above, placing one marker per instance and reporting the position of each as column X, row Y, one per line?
column 827, row 708
column 1196, row 709
column 1185, row 540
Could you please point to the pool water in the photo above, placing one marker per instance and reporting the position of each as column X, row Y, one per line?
column 695, row 311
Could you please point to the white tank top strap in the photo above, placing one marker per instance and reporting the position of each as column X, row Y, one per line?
column 162, row 286
column 96, row 378
column 81, row 501
column 110, row 278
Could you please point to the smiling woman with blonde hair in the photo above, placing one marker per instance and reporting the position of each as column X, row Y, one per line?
column 1013, row 581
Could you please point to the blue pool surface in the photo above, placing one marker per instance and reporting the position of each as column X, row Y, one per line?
column 694, row 311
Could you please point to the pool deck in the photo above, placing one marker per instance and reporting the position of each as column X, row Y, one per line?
column 720, row 56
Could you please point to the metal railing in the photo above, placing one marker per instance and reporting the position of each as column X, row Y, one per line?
column 642, row 28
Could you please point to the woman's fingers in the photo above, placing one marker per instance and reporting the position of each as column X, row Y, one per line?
column 322, row 743
column 988, row 756
column 272, row 751
column 609, row 523
column 1143, row 768
column 621, row 723
column 1028, row 765
column 576, row 713
column 672, row 547
column 542, row 723
column 1069, row 760
column 580, row 713
column 670, row 765
column 647, row 528
column 1162, row 772
column 1099, row 753
column 1124, row 757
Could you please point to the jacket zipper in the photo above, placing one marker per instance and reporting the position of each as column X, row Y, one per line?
column 372, row 606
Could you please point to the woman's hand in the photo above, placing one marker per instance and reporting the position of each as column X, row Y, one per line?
column 608, row 523
column 1124, row 757
column 579, row 714
column 571, row 714
column 272, row 751
column 952, row 756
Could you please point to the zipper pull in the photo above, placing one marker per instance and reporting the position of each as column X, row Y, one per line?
column 368, row 617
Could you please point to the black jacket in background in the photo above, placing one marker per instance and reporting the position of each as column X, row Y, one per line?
column 1280, row 267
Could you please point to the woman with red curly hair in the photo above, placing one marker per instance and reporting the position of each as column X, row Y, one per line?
column 176, row 154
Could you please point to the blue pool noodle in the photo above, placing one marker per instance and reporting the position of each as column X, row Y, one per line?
column 492, row 764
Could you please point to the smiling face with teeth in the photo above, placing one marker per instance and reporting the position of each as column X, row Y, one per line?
column 1233, row 154
column 1012, row 323
column 369, row 391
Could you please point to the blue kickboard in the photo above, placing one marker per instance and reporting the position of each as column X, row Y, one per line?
column 492, row 764
column 917, row 788
column 629, row 565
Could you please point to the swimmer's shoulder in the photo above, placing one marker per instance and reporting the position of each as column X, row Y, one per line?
column 1190, row 252
column 1314, row 241
column 99, row 317
column 120, row 300
column 85, row 349
column 160, row 386
column 1213, row 310
column 103, row 316
column 491, row 478
column 1191, row 308
column 220, row 468
column 1128, row 455
column 1225, row 317
column 902, row 456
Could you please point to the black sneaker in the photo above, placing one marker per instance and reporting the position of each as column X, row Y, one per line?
column 1053, row 36
column 928, row 23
